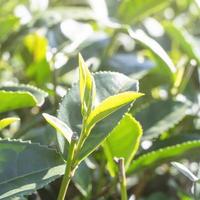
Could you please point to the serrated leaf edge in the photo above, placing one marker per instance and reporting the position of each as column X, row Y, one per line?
column 161, row 150
column 37, row 187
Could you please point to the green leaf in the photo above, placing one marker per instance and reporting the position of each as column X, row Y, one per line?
column 155, row 48
column 7, row 121
column 173, row 140
column 183, row 39
column 107, row 84
column 110, row 105
column 87, row 87
column 43, row 135
column 123, row 141
column 20, row 96
column 26, row 167
column 163, row 155
column 83, row 179
column 60, row 126
column 185, row 171
column 131, row 11
column 168, row 114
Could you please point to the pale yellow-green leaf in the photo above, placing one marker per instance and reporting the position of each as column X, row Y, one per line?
column 7, row 121
column 87, row 87
column 60, row 126
column 110, row 105
column 82, row 76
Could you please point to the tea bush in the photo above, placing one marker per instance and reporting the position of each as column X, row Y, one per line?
column 99, row 99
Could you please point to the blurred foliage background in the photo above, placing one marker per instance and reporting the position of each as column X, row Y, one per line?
column 154, row 41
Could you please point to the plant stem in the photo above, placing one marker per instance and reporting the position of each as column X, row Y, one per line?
column 122, row 178
column 69, row 171
column 83, row 137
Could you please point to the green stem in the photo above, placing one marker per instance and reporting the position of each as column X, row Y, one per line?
column 83, row 136
column 122, row 179
column 69, row 171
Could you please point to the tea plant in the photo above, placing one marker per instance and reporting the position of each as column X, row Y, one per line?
column 92, row 114
column 151, row 47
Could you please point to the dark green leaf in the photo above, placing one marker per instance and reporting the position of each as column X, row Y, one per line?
column 26, row 167
column 83, row 179
column 168, row 114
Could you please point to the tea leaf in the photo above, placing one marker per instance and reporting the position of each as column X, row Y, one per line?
column 87, row 87
column 83, row 179
column 155, row 49
column 154, row 158
column 20, row 96
column 168, row 114
column 110, row 105
column 60, row 126
column 26, row 167
column 123, row 141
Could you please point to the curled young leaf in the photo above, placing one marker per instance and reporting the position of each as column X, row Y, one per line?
column 87, row 87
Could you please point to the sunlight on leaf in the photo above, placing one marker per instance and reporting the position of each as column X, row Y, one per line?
column 60, row 126
column 110, row 105
column 123, row 141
